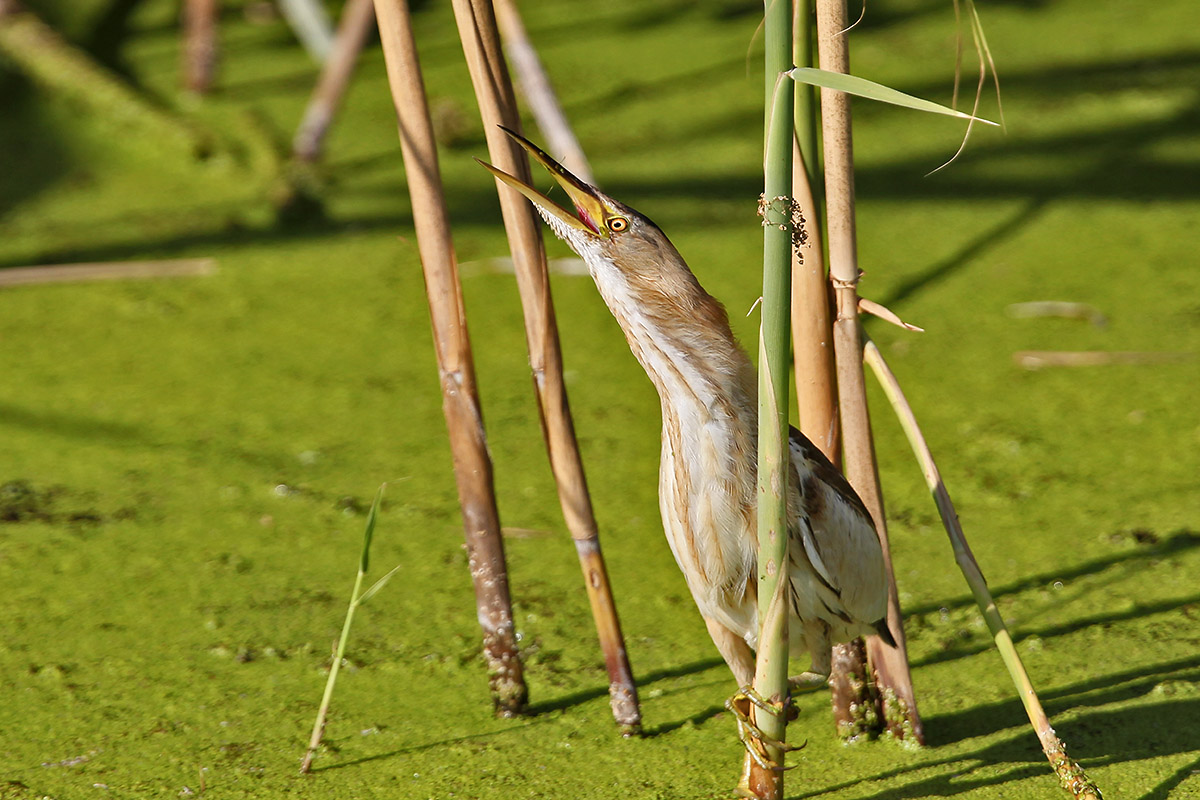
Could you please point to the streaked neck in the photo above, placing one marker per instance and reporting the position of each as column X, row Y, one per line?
column 681, row 337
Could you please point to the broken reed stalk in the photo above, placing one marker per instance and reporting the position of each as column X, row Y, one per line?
column 1070, row 775
column 310, row 23
column 534, row 85
column 357, row 598
column 199, row 45
column 358, row 17
column 460, row 399
column 1040, row 359
column 890, row 664
column 493, row 91
column 774, row 455
column 107, row 271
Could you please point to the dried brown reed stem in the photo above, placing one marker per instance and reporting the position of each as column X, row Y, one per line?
column 534, row 86
column 199, row 45
column 890, row 664
column 358, row 17
column 1070, row 775
column 460, row 400
column 854, row 708
column 494, row 93
column 812, row 334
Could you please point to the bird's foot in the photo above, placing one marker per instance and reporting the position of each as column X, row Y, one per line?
column 750, row 735
column 808, row 682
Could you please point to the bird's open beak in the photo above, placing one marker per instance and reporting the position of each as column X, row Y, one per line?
column 587, row 204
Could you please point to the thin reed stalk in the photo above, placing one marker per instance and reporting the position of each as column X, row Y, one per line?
column 890, row 664
column 1070, row 775
column 774, row 587
column 493, row 91
column 460, row 400
column 358, row 17
column 357, row 598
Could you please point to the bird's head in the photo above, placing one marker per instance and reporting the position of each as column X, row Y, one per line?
column 603, row 231
column 644, row 281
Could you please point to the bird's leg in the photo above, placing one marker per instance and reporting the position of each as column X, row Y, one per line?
column 740, row 658
column 749, row 734
column 821, row 650
column 808, row 681
column 734, row 650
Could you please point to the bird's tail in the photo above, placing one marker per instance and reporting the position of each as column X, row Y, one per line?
column 884, row 633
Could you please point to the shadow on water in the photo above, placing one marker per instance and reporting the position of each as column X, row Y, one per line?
column 649, row 679
column 989, row 239
column 1177, row 542
column 643, row 681
column 75, row 428
column 1078, row 624
column 1118, row 687
column 1170, row 782
column 34, row 156
column 204, row 232
column 1099, row 736
column 539, row 714
column 1124, row 562
column 109, row 34
column 417, row 748
column 70, row 426
column 1096, row 739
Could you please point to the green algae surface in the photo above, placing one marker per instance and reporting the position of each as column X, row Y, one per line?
column 187, row 463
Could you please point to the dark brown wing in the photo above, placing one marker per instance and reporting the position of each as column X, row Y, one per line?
column 826, row 472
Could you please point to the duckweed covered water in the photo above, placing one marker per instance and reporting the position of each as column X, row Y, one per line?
column 187, row 463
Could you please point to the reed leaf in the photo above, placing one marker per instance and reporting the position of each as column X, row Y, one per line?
column 377, row 585
column 369, row 532
column 861, row 87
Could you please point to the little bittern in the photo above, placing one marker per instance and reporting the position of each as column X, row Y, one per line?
column 707, row 478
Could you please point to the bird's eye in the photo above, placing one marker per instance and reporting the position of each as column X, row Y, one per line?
column 618, row 224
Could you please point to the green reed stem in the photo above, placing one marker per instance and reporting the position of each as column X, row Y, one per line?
column 770, row 680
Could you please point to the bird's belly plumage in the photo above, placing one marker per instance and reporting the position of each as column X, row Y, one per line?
column 707, row 504
column 707, row 496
